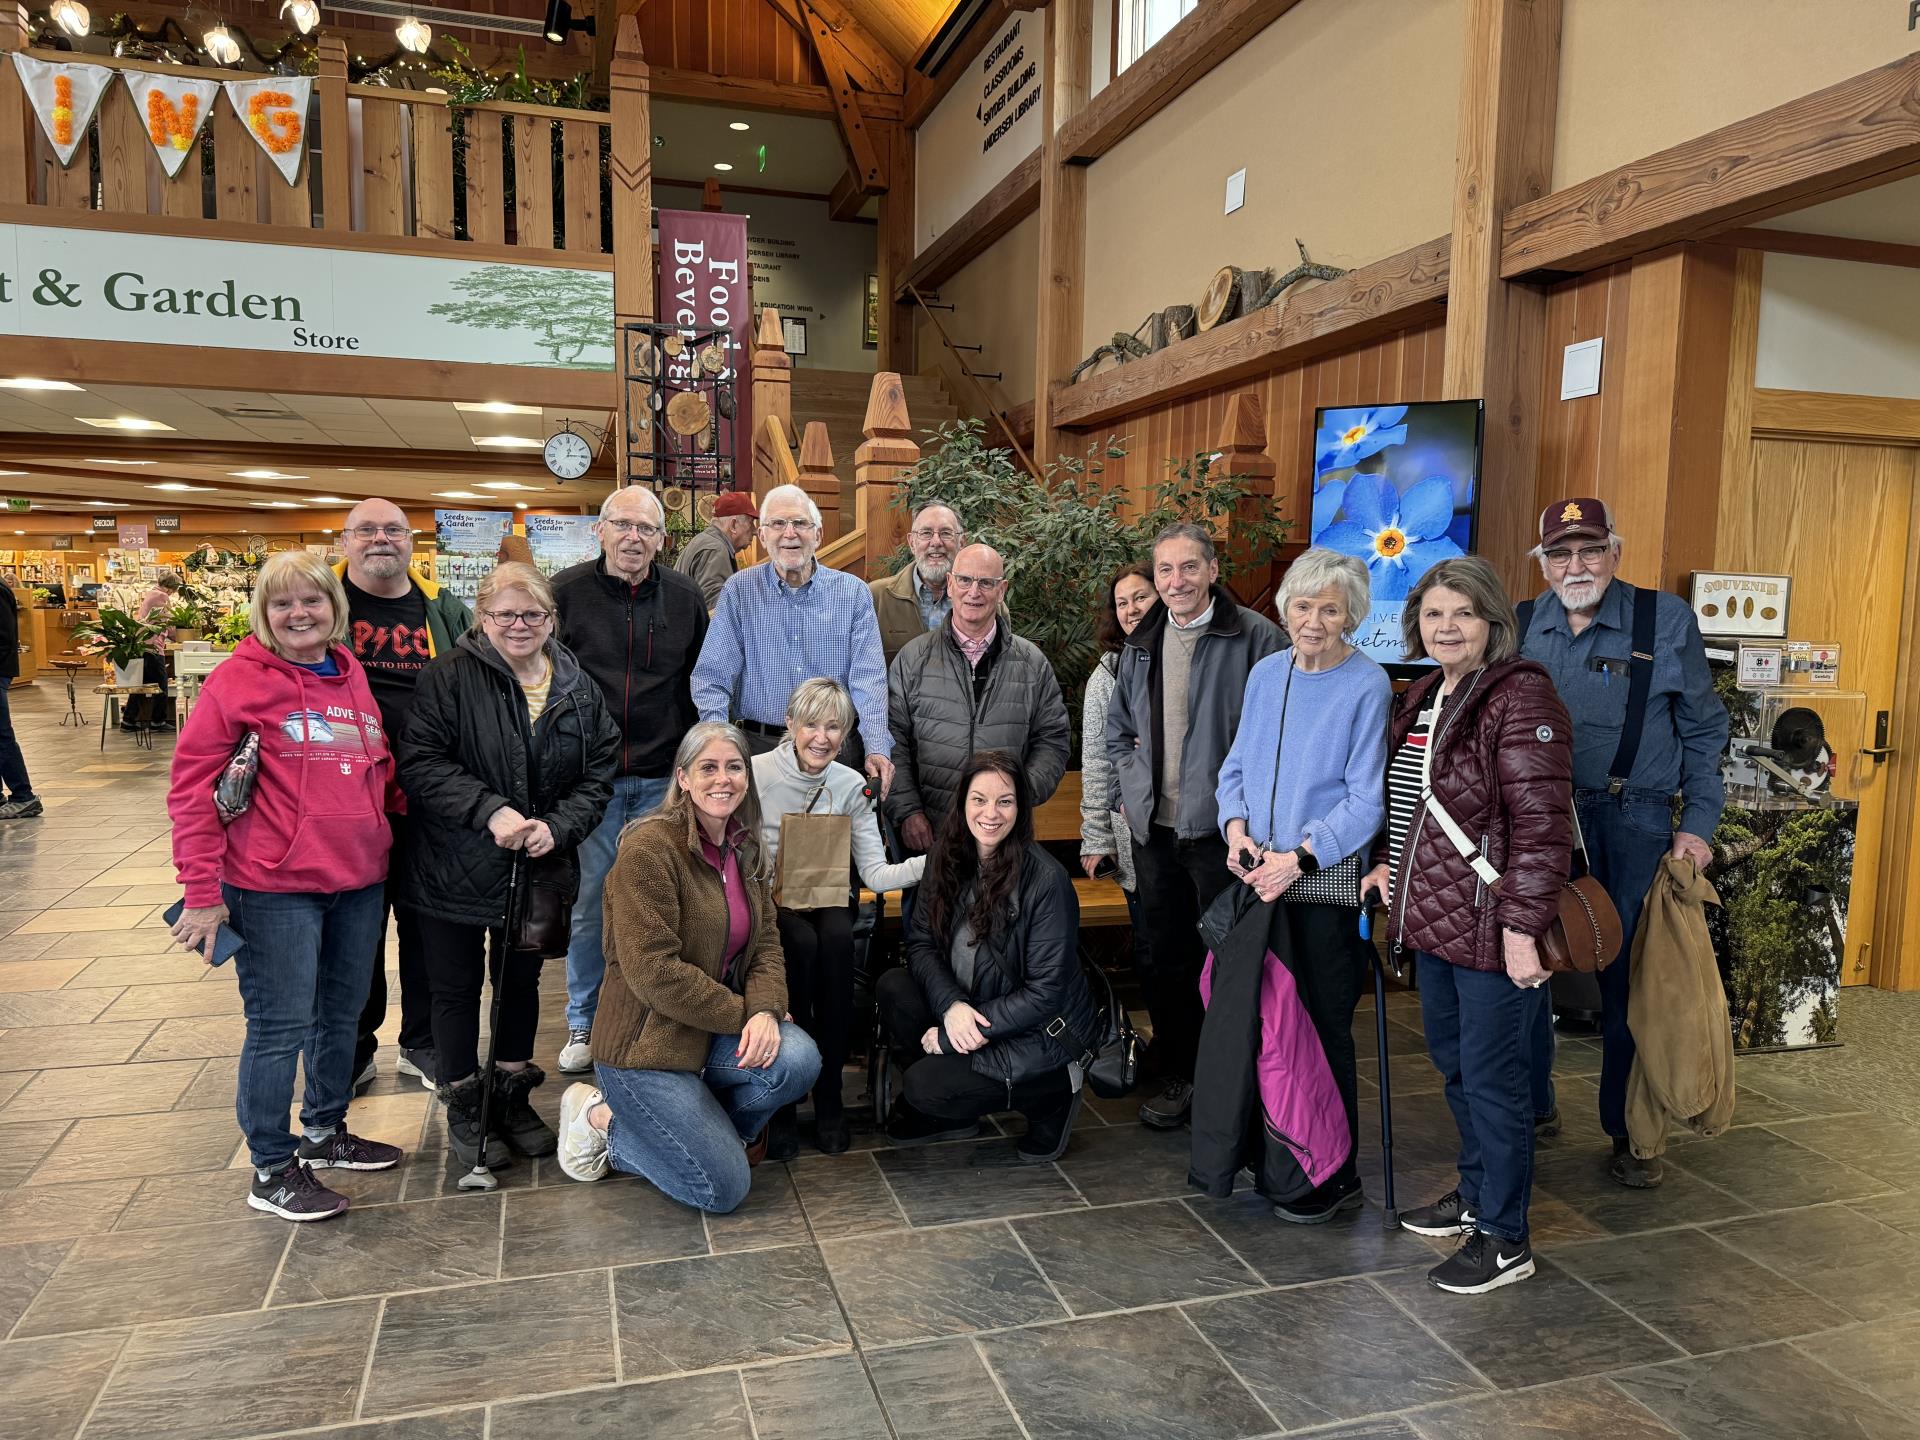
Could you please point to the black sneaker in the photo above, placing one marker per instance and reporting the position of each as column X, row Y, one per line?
column 363, row 1082
column 1170, row 1107
column 421, row 1064
column 1633, row 1172
column 907, row 1126
column 18, row 809
column 295, row 1193
column 1485, row 1262
column 341, row 1151
column 832, row 1133
column 1446, row 1216
column 1048, row 1132
column 1547, row 1126
column 1320, row 1206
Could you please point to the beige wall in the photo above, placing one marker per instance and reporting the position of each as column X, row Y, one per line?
column 1343, row 113
column 993, row 300
column 1639, row 75
column 1839, row 327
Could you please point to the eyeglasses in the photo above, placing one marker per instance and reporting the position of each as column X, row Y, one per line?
column 379, row 532
column 507, row 619
column 778, row 525
column 976, row 582
column 1587, row 555
column 645, row 529
column 947, row 537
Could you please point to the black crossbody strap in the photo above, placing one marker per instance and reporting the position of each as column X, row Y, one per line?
column 1523, row 617
column 1639, row 684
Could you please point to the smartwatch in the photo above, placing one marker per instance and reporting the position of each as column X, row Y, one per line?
column 1309, row 865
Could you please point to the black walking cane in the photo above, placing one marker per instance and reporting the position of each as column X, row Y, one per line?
column 1390, row 1217
column 480, row 1177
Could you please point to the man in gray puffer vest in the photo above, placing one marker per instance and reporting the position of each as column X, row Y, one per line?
column 969, row 685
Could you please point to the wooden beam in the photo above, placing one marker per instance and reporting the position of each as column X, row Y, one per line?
column 1812, row 415
column 924, row 94
column 822, row 23
column 630, row 166
column 1066, row 75
column 856, row 139
column 848, row 196
column 1496, row 330
column 44, row 454
column 702, row 88
column 16, row 115
column 1393, row 294
column 992, row 216
column 336, row 171
column 894, row 252
column 1826, row 247
column 1854, row 133
column 1184, row 55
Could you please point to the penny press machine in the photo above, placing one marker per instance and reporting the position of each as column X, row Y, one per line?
column 682, row 392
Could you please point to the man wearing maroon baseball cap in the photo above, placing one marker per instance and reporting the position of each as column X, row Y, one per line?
column 1648, row 732
column 708, row 559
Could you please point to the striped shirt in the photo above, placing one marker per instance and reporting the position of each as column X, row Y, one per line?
column 1404, row 787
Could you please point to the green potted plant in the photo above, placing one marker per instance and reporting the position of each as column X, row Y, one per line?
column 122, row 641
column 230, row 629
column 188, row 620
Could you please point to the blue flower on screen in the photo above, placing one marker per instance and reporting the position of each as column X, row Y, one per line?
column 1400, row 536
column 1350, row 436
column 1326, row 505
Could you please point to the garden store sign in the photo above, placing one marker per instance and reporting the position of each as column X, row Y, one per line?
column 171, row 290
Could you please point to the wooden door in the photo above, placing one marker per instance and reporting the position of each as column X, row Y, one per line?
column 1838, row 519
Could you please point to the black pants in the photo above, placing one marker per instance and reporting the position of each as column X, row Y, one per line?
column 1178, row 879
column 1329, row 972
column 819, row 950
column 148, row 709
column 453, row 959
column 947, row 1086
column 416, row 999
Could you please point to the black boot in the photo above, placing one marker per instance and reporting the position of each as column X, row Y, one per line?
column 783, row 1134
column 831, row 1132
column 513, row 1119
column 463, row 1125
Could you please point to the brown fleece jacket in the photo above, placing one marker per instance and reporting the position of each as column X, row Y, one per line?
column 663, row 1000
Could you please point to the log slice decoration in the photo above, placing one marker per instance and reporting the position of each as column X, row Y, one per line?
column 1221, row 298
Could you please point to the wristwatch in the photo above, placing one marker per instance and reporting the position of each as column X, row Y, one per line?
column 1309, row 864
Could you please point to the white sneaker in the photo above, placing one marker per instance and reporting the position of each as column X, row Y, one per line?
column 576, row 1056
column 583, row 1149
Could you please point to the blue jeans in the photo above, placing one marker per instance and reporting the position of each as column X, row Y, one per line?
column 303, row 980
column 1480, row 1033
column 13, row 765
column 1627, row 836
column 685, row 1131
column 633, row 796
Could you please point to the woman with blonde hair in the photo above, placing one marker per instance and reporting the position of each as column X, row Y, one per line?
column 508, row 748
column 690, row 1044
column 299, row 874
column 800, row 777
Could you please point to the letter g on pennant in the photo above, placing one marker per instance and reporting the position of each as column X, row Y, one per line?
column 274, row 111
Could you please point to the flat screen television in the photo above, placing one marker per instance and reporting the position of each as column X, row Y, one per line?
column 1397, row 486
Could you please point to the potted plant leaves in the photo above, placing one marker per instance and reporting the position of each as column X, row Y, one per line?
column 118, row 638
column 230, row 629
column 188, row 620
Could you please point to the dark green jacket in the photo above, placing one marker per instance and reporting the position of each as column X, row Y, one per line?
column 448, row 617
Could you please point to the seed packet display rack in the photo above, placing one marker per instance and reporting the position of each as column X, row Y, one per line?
column 681, row 390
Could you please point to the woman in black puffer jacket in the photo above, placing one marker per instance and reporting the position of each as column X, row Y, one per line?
column 985, row 1015
column 508, row 747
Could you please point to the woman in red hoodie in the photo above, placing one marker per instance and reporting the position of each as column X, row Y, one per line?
column 299, row 875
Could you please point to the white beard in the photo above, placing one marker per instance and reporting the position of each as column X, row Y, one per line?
column 1580, row 595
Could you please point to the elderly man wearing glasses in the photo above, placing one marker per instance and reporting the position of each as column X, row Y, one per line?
column 916, row 598
column 397, row 620
column 790, row 619
column 636, row 626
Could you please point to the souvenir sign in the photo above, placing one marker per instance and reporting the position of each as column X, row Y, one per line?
column 1760, row 666
column 1741, row 604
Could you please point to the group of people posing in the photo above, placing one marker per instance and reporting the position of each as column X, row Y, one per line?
column 681, row 778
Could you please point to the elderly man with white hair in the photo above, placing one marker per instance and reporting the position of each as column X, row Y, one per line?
column 790, row 619
column 636, row 627
column 1302, row 793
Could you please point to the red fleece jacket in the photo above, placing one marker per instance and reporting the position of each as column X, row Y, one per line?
column 318, row 822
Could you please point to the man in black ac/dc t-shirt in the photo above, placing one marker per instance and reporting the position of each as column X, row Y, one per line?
column 396, row 622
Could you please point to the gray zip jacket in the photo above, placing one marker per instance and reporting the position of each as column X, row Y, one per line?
column 1235, row 640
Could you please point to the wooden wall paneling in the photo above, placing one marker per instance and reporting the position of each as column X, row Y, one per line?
column 1696, row 471
column 533, row 181
column 335, row 156
column 183, row 195
column 122, row 132
column 486, row 179
column 383, row 175
column 236, row 195
column 580, row 145
column 17, row 124
column 1895, row 962
column 1743, row 347
column 631, row 169
column 894, row 250
column 286, row 204
column 1806, row 413
column 64, row 187
column 1066, row 67
column 433, row 172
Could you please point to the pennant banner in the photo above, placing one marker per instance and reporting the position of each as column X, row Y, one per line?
column 64, row 97
column 274, row 111
column 175, row 107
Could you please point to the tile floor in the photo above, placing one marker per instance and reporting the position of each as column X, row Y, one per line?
column 1771, row 1288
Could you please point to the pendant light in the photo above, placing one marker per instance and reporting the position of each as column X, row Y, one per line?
column 414, row 34
column 220, row 45
column 71, row 16
column 305, row 14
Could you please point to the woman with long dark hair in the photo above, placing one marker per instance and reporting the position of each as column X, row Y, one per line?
column 982, row 1017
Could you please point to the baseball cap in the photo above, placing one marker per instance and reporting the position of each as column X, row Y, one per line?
column 1578, row 515
column 734, row 502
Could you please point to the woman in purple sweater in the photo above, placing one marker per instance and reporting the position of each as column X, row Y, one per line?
column 1302, row 790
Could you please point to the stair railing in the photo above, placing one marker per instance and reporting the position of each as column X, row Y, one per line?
column 974, row 379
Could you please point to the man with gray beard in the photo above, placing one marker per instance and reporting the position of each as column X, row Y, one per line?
column 1648, row 733
column 397, row 620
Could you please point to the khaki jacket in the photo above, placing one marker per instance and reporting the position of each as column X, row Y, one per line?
column 898, row 610
column 1677, row 1010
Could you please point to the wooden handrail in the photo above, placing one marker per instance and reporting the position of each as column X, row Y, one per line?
column 999, row 415
column 850, row 546
column 491, row 107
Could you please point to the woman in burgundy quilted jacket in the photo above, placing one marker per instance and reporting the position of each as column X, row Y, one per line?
column 1477, row 847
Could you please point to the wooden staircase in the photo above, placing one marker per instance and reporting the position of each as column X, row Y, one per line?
column 839, row 397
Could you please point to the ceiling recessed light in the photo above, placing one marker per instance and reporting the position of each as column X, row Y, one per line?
column 28, row 382
column 14, row 472
column 102, row 460
column 328, row 500
column 179, row 485
column 19, row 532
column 273, row 505
column 106, row 504
column 721, row 165
column 503, row 485
column 519, row 504
column 494, row 407
column 739, row 125
column 265, row 475
column 344, row 469
column 122, row 422
column 508, row 442
column 457, row 495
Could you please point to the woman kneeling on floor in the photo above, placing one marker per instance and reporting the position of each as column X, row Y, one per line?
column 299, row 874
column 689, row 1045
column 978, row 1019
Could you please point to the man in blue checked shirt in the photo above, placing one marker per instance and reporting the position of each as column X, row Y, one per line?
column 787, row 620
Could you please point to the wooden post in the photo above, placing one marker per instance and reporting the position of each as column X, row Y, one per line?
column 336, row 149
column 1496, row 330
column 879, row 464
column 16, row 115
column 894, row 245
column 1243, row 451
column 818, row 479
column 1068, row 67
column 772, row 396
column 631, row 163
